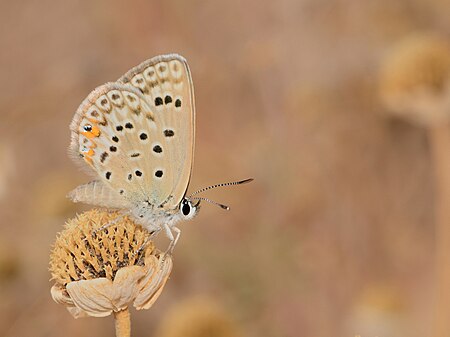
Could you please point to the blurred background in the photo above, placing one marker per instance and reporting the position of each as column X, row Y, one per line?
column 336, row 236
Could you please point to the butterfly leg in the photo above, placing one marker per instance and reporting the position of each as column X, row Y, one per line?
column 173, row 239
column 147, row 240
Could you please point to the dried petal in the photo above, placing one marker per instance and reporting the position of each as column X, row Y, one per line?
column 60, row 295
column 154, row 281
column 100, row 297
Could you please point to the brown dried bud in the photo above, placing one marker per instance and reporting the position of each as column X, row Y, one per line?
column 415, row 79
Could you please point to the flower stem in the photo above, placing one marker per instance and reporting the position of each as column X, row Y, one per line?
column 123, row 323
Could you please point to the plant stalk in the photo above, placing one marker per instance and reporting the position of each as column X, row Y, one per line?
column 123, row 323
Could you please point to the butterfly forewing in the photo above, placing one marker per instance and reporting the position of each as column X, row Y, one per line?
column 166, row 83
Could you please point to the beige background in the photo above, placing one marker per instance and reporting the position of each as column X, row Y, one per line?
column 334, row 238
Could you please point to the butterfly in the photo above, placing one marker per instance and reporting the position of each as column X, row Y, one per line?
column 136, row 136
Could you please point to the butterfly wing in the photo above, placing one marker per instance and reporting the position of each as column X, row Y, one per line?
column 165, row 82
column 117, row 134
column 137, row 135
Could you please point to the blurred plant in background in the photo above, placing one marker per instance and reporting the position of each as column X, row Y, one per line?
column 198, row 317
column 415, row 83
column 415, row 79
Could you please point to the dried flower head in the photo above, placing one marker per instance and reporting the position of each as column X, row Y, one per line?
column 415, row 79
column 99, row 272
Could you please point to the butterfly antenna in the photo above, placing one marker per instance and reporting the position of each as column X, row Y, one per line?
column 245, row 181
column 212, row 202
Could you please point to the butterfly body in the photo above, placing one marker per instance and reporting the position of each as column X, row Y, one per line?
column 136, row 136
column 155, row 219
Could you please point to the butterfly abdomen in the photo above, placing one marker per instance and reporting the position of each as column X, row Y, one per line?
column 96, row 193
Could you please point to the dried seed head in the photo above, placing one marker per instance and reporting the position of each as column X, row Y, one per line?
column 421, row 60
column 100, row 272
column 415, row 79
column 81, row 254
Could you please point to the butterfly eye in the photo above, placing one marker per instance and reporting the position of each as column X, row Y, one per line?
column 187, row 209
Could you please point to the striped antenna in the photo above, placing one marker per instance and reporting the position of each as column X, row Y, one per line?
column 245, row 181
column 212, row 202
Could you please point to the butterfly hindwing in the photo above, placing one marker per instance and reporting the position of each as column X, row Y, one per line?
column 165, row 82
column 117, row 134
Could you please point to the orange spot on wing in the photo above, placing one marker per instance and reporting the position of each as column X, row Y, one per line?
column 87, row 155
column 89, row 160
column 95, row 132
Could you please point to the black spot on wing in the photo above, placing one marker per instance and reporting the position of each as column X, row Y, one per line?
column 169, row 133
column 103, row 157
